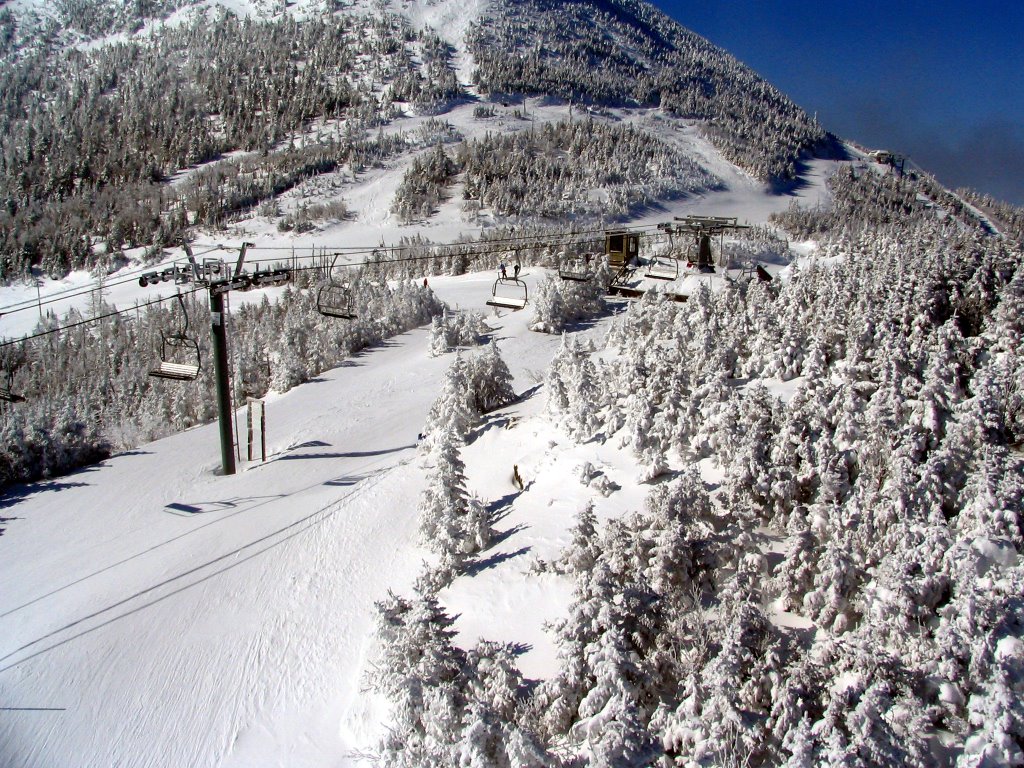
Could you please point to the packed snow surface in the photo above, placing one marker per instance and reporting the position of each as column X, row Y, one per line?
column 172, row 616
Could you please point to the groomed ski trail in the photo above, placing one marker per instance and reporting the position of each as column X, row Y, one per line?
column 237, row 636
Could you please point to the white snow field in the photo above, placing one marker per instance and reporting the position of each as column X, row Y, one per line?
column 235, row 635
column 234, row 628
column 157, row 613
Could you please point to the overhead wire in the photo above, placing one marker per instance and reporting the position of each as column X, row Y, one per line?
column 133, row 275
column 525, row 238
column 494, row 246
column 96, row 318
column 473, row 249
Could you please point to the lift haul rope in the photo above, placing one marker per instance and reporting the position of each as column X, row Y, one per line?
column 97, row 318
column 473, row 252
column 71, row 293
column 134, row 274
column 217, row 278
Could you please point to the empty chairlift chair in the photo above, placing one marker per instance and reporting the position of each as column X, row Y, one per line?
column 335, row 299
column 663, row 267
column 7, row 393
column 508, row 292
column 179, row 353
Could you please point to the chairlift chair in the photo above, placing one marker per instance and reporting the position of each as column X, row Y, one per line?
column 335, row 299
column 7, row 393
column 753, row 270
column 508, row 292
column 577, row 269
column 663, row 267
column 179, row 353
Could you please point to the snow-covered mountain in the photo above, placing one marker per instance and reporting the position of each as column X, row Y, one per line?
column 771, row 523
column 89, row 150
column 776, row 524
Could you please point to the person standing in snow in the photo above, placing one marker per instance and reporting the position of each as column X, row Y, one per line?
column 515, row 271
column 502, row 274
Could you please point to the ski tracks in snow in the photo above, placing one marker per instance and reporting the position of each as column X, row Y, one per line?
column 236, row 637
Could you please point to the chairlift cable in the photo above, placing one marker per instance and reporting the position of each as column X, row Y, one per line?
column 541, row 236
column 74, row 292
column 132, row 276
column 473, row 255
column 96, row 319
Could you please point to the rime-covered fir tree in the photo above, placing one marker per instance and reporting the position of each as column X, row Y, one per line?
column 452, row 522
column 490, row 380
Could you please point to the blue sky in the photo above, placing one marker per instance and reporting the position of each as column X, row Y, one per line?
column 940, row 81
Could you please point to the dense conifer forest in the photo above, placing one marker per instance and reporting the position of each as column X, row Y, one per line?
column 88, row 151
column 92, row 136
column 629, row 53
column 78, row 417
column 548, row 174
column 892, row 478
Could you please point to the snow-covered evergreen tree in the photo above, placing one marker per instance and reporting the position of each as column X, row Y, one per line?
column 421, row 672
column 455, row 407
column 490, row 380
column 572, row 386
column 456, row 329
column 452, row 523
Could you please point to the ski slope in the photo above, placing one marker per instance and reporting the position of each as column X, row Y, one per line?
column 235, row 635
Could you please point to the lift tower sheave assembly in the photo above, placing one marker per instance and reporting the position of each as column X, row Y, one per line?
column 218, row 289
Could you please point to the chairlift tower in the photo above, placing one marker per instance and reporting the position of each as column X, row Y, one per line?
column 703, row 229
column 218, row 289
column 219, row 283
